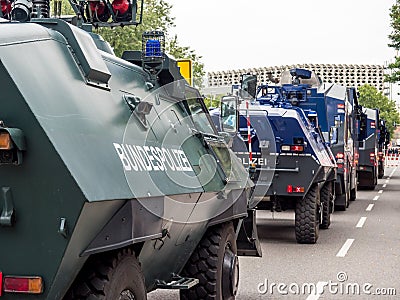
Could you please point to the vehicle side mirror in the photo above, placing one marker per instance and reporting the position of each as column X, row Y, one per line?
column 333, row 135
column 363, row 122
column 229, row 114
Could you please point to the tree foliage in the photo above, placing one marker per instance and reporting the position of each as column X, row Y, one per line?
column 156, row 16
column 178, row 51
column 395, row 42
column 370, row 97
column 212, row 103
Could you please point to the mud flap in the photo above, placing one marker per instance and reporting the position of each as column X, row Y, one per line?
column 247, row 241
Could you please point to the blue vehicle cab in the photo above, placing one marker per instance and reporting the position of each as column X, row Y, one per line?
column 368, row 172
column 334, row 111
column 289, row 161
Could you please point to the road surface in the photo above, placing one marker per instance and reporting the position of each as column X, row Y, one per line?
column 358, row 257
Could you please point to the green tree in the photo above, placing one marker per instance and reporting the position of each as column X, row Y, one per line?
column 370, row 97
column 212, row 102
column 395, row 43
column 180, row 52
column 156, row 16
column 66, row 8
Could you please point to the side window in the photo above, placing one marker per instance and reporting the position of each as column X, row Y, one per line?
column 224, row 157
column 200, row 116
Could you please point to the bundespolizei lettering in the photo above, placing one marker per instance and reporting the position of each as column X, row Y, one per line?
column 149, row 158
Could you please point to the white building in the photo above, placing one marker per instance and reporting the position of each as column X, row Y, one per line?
column 347, row 75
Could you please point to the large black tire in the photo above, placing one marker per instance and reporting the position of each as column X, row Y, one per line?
column 353, row 194
column 215, row 264
column 326, row 202
column 341, row 202
column 381, row 170
column 373, row 183
column 307, row 217
column 369, row 187
column 117, row 276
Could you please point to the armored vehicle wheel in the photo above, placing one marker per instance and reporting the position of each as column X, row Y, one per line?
column 117, row 277
column 372, row 183
column 381, row 171
column 353, row 194
column 326, row 196
column 307, row 217
column 342, row 202
column 215, row 264
column 369, row 187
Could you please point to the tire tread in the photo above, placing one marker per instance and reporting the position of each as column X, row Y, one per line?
column 306, row 218
column 203, row 265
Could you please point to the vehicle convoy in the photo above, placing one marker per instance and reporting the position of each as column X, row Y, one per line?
column 289, row 161
column 335, row 115
column 114, row 181
column 383, row 145
column 369, row 138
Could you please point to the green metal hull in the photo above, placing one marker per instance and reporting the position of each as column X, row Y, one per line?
column 76, row 192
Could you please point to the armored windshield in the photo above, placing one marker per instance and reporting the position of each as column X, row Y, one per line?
column 286, row 78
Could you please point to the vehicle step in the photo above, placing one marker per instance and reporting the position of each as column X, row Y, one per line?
column 177, row 283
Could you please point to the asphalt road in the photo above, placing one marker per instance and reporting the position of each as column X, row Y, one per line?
column 358, row 257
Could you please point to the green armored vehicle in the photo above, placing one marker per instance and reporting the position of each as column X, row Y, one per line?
column 113, row 180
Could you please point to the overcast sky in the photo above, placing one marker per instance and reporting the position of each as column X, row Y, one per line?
column 233, row 34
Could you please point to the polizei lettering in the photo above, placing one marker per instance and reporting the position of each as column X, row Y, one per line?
column 256, row 161
column 149, row 158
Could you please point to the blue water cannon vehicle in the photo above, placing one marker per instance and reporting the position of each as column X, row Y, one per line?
column 369, row 138
column 383, row 144
column 289, row 161
column 336, row 117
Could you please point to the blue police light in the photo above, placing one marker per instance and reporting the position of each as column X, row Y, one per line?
column 153, row 45
column 153, row 48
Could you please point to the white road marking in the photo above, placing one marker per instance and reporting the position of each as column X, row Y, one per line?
column 320, row 289
column 361, row 222
column 387, row 181
column 380, row 192
column 369, row 208
column 384, row 185
column 343, row 251
column 375, row 198
column 394, row 170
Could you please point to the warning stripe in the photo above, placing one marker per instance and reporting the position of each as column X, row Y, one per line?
column 392, row 160
column 249, row 131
